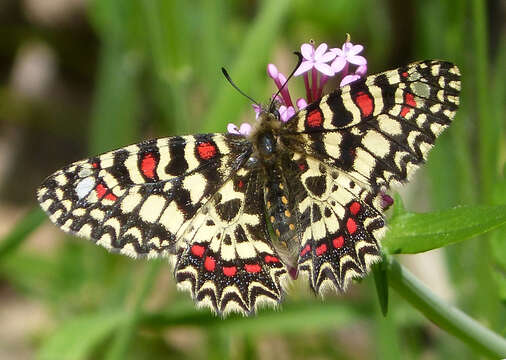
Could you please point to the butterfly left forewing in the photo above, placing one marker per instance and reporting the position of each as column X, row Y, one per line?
column 138, row 199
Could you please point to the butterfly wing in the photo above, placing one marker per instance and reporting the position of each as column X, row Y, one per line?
column 381, row 128
column 230, row 263
column 187, row 198
column 138, row 200
column 348, row 148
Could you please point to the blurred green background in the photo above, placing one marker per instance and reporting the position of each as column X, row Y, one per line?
column 81, row 77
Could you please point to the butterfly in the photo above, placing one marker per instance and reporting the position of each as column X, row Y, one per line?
column 239, row 216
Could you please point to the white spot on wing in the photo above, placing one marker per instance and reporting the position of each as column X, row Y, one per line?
column 84, row 187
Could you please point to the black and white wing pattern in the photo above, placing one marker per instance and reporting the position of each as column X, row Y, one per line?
column 185, row 198
column 351, row 146
column 203, row 200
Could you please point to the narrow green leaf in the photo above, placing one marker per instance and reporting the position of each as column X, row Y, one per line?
column 21, row 230
column 414, row 233
column 77, row 338
column 381, row 282
column 292, row 317
column 250, row 62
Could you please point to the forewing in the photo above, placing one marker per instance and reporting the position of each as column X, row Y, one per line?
column 138, row 200
column 381, row 128
column 226, row 259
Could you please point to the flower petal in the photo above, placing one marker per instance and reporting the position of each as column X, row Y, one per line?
column 357, row 60
column 338, row 64
column 324, row 69
column 361, row 70
column 272, row 71
column 307, row 51
column 336, row 51
column 232, row 129
column 245, row 129
column 305, row 66
column 257, row 109
column 355, row 49
column 320, row 50
column 348, row 79
column 301, row 103
column 328, row 56
column 347, row 47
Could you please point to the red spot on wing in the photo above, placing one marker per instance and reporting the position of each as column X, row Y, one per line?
column 240, row 184
column 355, row 208
column 206, row 150
column 314, row 118
column 404, row 74
column 229, row 270
column 302, row 166
column 209, row 263
column 305, row 250
column 351, row 225
column 198, row 250
column 103, row 192
column 252, row 268
column 338, row 242
column 148, row 165
column 404, row 111
column 409, row 99
column 95, row 165
column 271, row 259
column 111, row 196
column 365, row 103
column 321, row 249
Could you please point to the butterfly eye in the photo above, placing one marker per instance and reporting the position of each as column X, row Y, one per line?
column 276, row 114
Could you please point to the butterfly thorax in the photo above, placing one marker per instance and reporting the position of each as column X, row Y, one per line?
column 278, row 203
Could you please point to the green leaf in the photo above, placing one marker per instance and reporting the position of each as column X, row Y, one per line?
column 250, row 62
column 78, row 337
column 292, row 317
column 20, row 232
column 414, row 233
column 381, row 282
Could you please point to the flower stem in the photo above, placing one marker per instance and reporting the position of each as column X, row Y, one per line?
column 308, row 88
column 444, row 315
column 314, row 86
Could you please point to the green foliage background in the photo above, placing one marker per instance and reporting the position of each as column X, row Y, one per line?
column 136, row 69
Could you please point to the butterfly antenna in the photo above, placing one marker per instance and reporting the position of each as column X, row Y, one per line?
column 299, row 55
column 225, row 73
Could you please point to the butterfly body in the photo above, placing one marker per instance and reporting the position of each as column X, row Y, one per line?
column 207, row 202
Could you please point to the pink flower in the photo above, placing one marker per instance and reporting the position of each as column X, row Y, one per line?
column 286, row 112
column 244, row 130
column 279, row 80
column 301, row 103
column 347, row 54
column 359, row 73
column 317, row 59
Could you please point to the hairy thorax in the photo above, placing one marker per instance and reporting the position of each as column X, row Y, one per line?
column 279, row 200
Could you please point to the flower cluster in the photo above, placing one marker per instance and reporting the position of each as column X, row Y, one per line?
column 318, row 66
